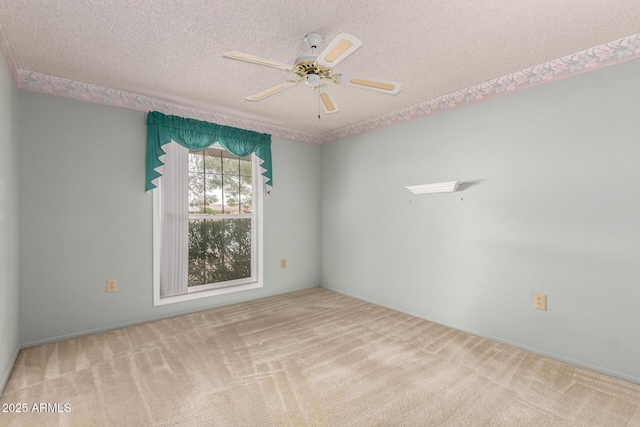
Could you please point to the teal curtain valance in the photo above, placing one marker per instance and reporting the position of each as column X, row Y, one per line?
column 198, row 135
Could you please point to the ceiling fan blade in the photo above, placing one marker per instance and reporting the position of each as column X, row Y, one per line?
column 329, row 106
column 255, row 60
column 271, row 91
column 385, row 86
column 342, row 46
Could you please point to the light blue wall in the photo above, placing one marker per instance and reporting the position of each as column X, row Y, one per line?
column 552, row 205
column 9, row 290
column 85, row 218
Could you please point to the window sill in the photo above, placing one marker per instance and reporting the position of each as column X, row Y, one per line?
column 157, row 300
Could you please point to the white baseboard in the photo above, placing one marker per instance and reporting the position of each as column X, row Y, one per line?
column 561, row 358
column 151, row 319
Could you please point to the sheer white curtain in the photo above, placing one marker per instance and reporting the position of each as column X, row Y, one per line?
column 174, row 217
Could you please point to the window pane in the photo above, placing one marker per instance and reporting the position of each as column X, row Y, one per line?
column 230, row 166
column 231, row 194
column 219, row 250
column 213, row 164
column 245, row 168
column 214, row 194
column 238, row 270
column 245, row 194
column 196, row 191
column 216, row 273
column 196, row 161
column 237, row 250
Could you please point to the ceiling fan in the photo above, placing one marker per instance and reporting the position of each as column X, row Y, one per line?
column 314, row 69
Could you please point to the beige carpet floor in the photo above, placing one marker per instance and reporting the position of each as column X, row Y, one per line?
column 313, row 358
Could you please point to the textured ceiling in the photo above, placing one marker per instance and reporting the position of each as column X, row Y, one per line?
column 172, row 50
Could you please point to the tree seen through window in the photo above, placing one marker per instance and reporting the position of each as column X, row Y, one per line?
column 220, row 206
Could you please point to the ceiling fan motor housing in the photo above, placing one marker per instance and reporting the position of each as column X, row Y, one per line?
column 307, row 64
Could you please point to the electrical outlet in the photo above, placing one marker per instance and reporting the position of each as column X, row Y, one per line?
column 540, row 301
column 283, row 263
column 112, row 285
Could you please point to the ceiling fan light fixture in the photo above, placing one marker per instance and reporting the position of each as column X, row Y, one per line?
column 313, row 80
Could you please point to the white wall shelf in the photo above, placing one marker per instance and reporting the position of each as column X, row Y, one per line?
column 440, row 187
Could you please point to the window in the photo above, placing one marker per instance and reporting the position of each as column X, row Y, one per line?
column 220, row 229
column 220, row 217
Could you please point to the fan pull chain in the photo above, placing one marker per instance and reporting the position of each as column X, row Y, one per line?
column 319, row 101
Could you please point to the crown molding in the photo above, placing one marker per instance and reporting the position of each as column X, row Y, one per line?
column 52, row 85
column 607, row 54
column 615, row 52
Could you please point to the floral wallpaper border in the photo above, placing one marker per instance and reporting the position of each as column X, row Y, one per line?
column 587, row 60
column 607, row 54
column 38, row 82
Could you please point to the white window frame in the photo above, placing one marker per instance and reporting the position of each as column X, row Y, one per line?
column 208, row 290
